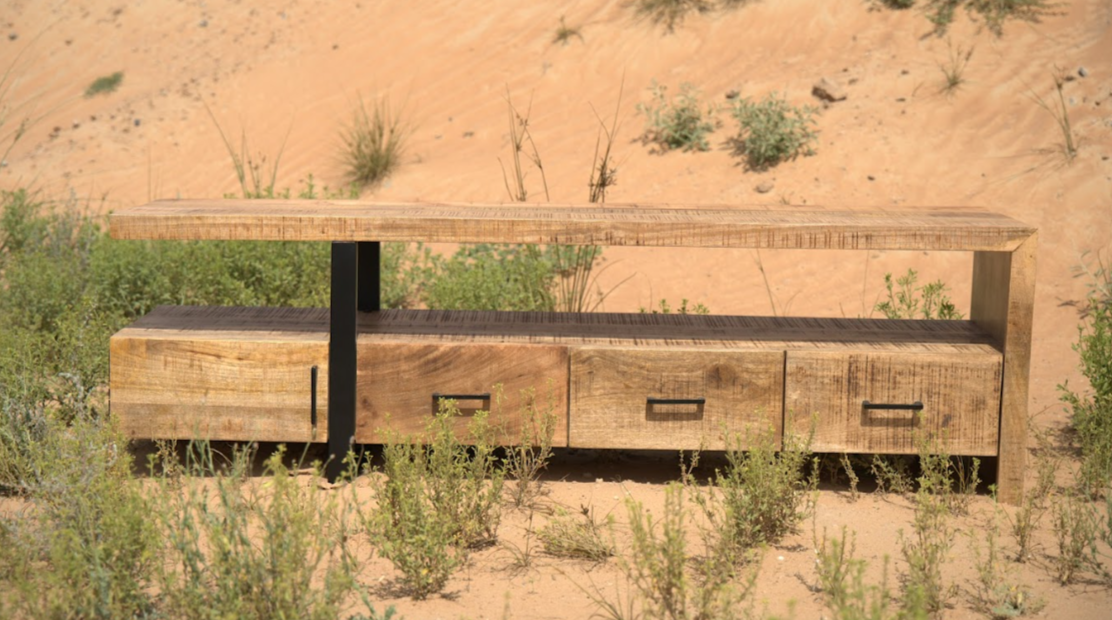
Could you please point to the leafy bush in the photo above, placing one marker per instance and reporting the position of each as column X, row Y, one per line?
column 993, row 12
column 105, row 84
column 251, row 549
column 677, row 123
column 374, row 142
column 1091, row 415
column 492, row 277
column 434, row 501
column 87, row 548
column 910, row 302
column 772, row 130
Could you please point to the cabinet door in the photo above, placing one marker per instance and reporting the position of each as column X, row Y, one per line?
column 400, row 385
column 870, row 401
column 673, row 399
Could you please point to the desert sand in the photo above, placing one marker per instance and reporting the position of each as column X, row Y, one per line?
column 286, row 75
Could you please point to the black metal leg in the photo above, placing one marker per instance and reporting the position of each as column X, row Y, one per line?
column 341, row 356
column 370, row 274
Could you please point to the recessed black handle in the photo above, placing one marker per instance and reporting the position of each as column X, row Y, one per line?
column 437, row 396
column 915, row 406
column 313, row 397
column 676, row 401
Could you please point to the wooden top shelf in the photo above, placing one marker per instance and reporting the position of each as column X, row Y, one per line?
column 632, row 225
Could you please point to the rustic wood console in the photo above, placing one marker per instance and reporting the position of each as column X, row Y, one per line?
column 616, row 380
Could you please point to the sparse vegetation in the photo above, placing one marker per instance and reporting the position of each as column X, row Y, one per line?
column 670, row 13
column 997, row 592
column 1061, row 115
column 578, row 536
column 374, row 142
column 565, row 33
column 772, row 130
column 954, row 68
column 929, row 301
column 993, row 13
column 532, row 449
column 680, row 122
column 105, row 84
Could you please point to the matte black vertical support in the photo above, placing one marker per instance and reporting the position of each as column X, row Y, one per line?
column 370, row 274
column 341, row 355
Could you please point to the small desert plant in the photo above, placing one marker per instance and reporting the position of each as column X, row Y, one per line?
column 926, row 550
column 520, row 137
column 762, row 491
column 491, row 277
column 1091, row 415
column 436, row 500
column 892, row 474
column 565, row 33
column 1076, row 531
column 848, row 595
column 657, row 567
column 105, row 84
column 953, row 480
column 298, row 566
column 851, row 475
column 1061, row 115
column 954, row 67
column 533, row 447
column 669, row 12
column 665, row 308
column 87, row 545
column 251, row 171
column 604, row 174
column 677, row 123
column 772, row 130
column 996, row 12
column 996, row 591
column 1030, row 513
column 929, row 301
column 374, row 142
column 578, row 536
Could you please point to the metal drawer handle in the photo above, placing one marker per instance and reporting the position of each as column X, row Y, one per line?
column 915, row 406
column 437, row 397
column 676, row 401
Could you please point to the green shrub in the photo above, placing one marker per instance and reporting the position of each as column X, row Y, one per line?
column 927, row 549
column 532, row 448
column 564, row 33
column 992, row 12
column 772, row 131
column 1091, row 415
column 678, row 123
column 911, row 302
column 996, row 592
column 374, row 142
column 763, row 490
column 105, row 84
column 435, row 501
column 88, row 545
column 492, row 277
column 846, row 592
column 238, row 548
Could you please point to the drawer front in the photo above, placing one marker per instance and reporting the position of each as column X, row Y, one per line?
column 234, row 390
column 398, row 380
column 960, row 396
column 619, row 397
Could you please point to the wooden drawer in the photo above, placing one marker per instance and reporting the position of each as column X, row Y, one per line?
column 397, row 382
column 959, row 392
column 612, row 388
column 185, row 373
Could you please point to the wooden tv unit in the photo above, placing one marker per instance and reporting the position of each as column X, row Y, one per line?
column 616, row 380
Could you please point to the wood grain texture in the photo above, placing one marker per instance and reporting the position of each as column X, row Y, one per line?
column 682, row 226
column 1003, row 301
column 397, row 381
column 610, row 387
column 222, row 382
column 960, row 394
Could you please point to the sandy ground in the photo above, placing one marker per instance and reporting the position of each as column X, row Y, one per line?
column 286, row 74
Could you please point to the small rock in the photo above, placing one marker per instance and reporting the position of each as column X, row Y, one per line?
column 468, row 134
column 203, row 23
column 3, row 163
column 765, row 187
column 335, row 46
column 138, row 122
column 871, row 178
column 904, row 72
column 828, row 90
column 1104, row 158
column 93, row 118
column 733, row 94
column 1083, row 72
column 901, row 99
column 76, row 123
column 12, row 36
